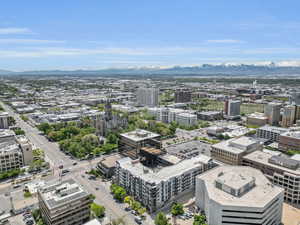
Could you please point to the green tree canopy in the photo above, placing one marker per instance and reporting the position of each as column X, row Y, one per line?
column 161, row 219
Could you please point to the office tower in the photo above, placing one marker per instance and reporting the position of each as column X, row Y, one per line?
column 183, row 95
column 147, row 96
column 288, row 116
column 4, row 120
column 238, row 195
column 272, row 111
column 65, row 203
column 232, row 108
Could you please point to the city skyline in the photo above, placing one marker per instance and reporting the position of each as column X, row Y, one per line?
column 115, row 34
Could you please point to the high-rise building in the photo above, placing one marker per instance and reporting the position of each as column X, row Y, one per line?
column 272, row 111
column 147, row 96
column 183, row 95
column 295, row 98
column 64, row 203
column 232, row 108
column 288, row 116
column 4, row 124
column 238, row 195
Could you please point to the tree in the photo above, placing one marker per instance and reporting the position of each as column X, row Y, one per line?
column 161, row 219
column 112, row 138
column 128, row 199
column 44, row 127
column 98, row 210
column 199, row 220
column 177, row 209
column 118, row 192
column 141, row 211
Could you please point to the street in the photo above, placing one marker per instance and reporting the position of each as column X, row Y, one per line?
column 56, row 158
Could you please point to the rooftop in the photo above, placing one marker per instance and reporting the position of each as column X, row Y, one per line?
column 263, row 158
column 292, row 134
column 237, row 145
column 139, row 135
column 61, row 193
column 238, row 178
column 278, row 130
column 139, row 170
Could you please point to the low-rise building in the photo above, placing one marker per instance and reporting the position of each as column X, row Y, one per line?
column 130, row 143
column 232, row 151
column 64, row 203
column 257, row 119
column 210, row 115
column 11, row 156
column 238, row 195
column 280, row 170
column 155, row 187
column 271, row 133
column 107, row 165
column 289, row 141
column 186, row 119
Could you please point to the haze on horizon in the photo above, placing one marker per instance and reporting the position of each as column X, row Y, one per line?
column 64, row 34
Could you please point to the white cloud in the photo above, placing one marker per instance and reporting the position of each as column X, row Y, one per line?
column 15, row 30
column 225, row 41
column 289, row 63
column 29, row 41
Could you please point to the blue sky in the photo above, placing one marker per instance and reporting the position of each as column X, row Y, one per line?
column 94, row 34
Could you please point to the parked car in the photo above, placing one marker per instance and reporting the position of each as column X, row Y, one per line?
column 138, row 220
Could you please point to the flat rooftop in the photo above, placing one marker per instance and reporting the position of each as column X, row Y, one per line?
column 61, row 193
column 236, row 146
column 110, row 161
column 237, row 176
column 274, row 129
column 258, row 116
column 263, row 158
column 139, row 135
column 152, row 151
column 139, row 170
column 292, row 134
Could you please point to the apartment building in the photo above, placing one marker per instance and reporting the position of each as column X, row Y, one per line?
column 147, row 96
column 288, row 116
column 289, row 141
column 64, row 203
column 272, row 112
column 280, row 170
column 270, row 132
column 232, row 151
column 186, row 119
column 155, row 187
column 238, row 195
column 183, row 95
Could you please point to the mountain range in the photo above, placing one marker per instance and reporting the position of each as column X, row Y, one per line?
column 205, row 69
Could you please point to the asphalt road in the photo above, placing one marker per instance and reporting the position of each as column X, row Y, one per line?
column 56, row 158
